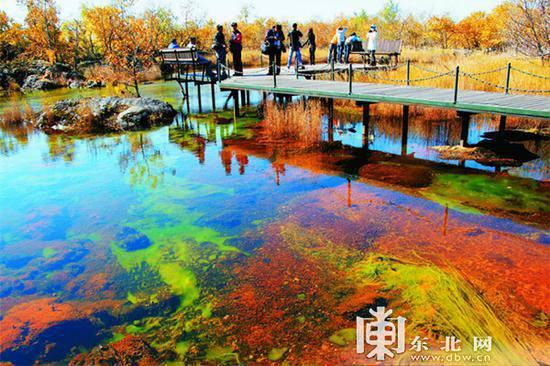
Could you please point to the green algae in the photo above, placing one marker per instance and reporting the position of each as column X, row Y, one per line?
column 470, row 192
column 222, row 355
column 277, row 353
column 343, row 337
column 115, row 338
column 441, row 303
column 182, row 348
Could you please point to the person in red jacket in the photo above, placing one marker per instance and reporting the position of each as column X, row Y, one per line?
column 236, row 48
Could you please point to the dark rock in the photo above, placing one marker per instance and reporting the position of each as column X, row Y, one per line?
column 97, row 115
column 130, row 239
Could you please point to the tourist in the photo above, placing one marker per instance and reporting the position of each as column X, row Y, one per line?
column 341, row 42
column 372, row 37
column 348, row 46
column 220, row 48
column 275, row 38
column 201, row 60
column 173, row 44
column 332, row 48
column 312, row 45
column 236, row 49
column 295, row 44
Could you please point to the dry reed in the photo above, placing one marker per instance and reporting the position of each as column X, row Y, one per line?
column 294, row 123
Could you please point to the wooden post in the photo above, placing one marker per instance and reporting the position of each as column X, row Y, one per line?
column 274, row 76
column 264, row 97
column 248, row 97
column 332, row 69
column 243, row 97
column 235, row 105
column 408, row 72
column 464, row 127
column 213, row 92
column 502, row 123
column 508, row 70
column 366, row 120
column 350, row 77
column 405, row 130
column 187, row 97
column 457, row 73
column 199, row 98
column 330, row 104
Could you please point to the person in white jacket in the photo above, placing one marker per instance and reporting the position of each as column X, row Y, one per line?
column 372, row 37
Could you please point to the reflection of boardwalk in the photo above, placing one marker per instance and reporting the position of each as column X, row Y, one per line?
column 468, row 100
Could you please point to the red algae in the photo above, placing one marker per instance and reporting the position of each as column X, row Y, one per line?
column 129, row 351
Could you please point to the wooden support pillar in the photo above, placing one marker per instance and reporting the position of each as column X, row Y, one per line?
column 235, row 105
column 304, row 101
column 213, row 91
column 366, row 121
column 330, row 105
column 199, row 97
column 187, row 97
column 464, row 127
column 264, row 97
column 405, row 130
column 502, row 123
column 243, row 97
column 248, row 97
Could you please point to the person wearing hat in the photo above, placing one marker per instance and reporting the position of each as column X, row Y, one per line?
column 220, row 48
column 372, row 37
column 236, row 48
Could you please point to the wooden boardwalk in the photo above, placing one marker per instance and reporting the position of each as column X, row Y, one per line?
column 322, row 68
column 468, row 101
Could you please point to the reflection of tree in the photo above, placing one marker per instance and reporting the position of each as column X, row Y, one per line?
column 60, row 148
column 242, row 159
column 142, row 161
column 226, row 157
column 279, row 169
column 12, row 139
column 188, row 139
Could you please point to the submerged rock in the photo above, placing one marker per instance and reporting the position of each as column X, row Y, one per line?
column 399, row 174
column 130, row 239
column 99, row 115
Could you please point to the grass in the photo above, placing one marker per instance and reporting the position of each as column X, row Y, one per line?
column 294, row 122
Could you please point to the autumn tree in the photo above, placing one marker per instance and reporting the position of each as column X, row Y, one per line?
column 12, row 41
column 43, row 30
column 529, row 27
column 441, row 30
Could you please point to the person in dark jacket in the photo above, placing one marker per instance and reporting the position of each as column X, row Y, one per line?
column 312, row 45
column 220, row 48
column 295, row 44
column 236, row 48
column 275, row 38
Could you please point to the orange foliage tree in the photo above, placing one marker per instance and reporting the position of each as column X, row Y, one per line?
column 43, row 32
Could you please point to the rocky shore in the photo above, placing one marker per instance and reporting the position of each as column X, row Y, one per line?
column 41, row 75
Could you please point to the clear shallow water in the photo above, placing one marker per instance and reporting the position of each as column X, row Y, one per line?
column 168, row 236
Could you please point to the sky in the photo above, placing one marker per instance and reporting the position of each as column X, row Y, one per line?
column 290, row 10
